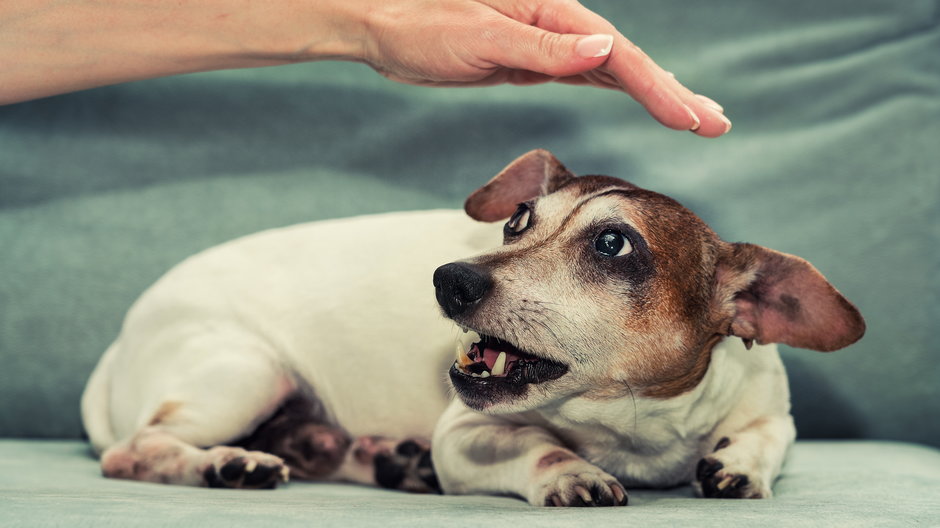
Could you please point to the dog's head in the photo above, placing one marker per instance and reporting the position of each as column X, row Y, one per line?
column 604, row 288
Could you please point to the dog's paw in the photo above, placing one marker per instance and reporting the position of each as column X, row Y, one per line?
column 233, row 467
column 714, row 480
column 579, row 484
column 398, row 464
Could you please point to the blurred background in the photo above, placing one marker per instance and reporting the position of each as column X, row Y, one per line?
column 834, row 157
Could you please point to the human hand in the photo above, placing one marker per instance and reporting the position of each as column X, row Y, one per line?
column 55, row 48
column 487, row 42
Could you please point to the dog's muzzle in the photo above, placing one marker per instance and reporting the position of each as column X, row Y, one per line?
column 459, row 286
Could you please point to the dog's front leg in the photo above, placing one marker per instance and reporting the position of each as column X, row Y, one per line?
column 476, row 453
column 745, row 463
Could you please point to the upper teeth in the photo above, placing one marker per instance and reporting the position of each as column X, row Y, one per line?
column 499, row 367
column 462, row 358
column 464, row 343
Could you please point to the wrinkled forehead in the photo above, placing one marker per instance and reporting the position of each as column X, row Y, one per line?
column 591, row 199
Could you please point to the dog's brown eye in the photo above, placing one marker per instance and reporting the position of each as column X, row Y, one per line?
column 612, row 243
column 519, row 221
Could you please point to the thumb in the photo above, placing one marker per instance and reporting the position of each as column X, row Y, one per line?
column 524, row 47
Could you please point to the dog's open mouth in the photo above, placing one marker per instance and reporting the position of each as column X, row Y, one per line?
column 488, row 360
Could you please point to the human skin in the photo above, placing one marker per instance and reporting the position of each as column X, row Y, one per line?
column 49, row 47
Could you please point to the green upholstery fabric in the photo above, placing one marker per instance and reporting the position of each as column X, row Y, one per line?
column 834, row 157
column 851, row 484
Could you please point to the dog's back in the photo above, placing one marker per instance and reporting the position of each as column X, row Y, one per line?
column 344, row 308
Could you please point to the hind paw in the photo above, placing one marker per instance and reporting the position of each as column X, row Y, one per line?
column 233, row 467
column 403, row 465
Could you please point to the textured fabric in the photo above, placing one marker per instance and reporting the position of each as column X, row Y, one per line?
column 829, row 484
column 833, row 157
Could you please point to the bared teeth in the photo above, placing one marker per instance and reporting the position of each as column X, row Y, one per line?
column 499, row 366
column 462, row 358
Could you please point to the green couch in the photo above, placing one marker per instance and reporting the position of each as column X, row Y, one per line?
column 834, row 156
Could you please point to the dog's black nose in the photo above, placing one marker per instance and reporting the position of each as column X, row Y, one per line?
column 459, row 286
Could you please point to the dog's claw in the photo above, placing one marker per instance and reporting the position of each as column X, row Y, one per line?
column 620, row 494
column 582, row 489
column 584, row 494
column 716, row 482
column 237, row 468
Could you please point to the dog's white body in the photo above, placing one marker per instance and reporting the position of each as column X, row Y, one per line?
column 346, row 307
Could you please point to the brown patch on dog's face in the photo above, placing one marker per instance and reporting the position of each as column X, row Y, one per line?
column 608, row 279
column 603, row 289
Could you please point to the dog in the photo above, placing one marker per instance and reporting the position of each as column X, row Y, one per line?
column 611, row 341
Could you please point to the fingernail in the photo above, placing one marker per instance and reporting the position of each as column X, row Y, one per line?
column 709, row 103
column 726, row 121
column 594, row 46
column 696, row 121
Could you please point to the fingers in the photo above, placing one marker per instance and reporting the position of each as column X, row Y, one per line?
column 523, row 47
column 629, row 69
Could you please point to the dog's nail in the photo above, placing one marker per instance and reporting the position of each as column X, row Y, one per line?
column 285, row 474
column 724, row 482
column 594, row 46
column 584, row 494
column 696, row 122
column 620, row 495
column 250, row 466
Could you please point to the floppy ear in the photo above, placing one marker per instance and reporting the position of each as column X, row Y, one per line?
column 533, row 174
column 773, row 297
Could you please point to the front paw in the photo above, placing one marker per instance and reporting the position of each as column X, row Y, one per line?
column 714, row 480
column 578, row 484
column 233, row 467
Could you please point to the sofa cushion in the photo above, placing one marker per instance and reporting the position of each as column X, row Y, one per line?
column 884, row 484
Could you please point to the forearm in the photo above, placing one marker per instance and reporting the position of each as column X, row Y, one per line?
column 55, row 46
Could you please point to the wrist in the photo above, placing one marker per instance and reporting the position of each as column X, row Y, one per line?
column 293, row 31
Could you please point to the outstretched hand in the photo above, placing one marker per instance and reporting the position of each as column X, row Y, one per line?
column 486, row 42
column 50, row 47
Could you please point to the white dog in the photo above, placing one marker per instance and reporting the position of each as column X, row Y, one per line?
column 606, row 343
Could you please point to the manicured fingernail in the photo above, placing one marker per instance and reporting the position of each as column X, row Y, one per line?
column 726, row 121
column 594, row 46
column 696, row 121
column 709, row 103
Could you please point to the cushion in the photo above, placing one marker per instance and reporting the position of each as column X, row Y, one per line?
column 847, row 483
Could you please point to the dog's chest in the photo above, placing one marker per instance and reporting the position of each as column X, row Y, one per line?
column 651, row 442
column 642, row 443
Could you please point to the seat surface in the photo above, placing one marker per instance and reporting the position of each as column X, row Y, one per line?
column 850, row 483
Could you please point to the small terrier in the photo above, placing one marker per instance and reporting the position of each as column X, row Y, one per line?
column 612, row 341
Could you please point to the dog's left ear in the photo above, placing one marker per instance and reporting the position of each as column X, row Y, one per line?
column 774, row 297
column 535, row 173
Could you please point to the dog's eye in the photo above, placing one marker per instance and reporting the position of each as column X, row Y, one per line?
column 612, row 243
column 519, row 221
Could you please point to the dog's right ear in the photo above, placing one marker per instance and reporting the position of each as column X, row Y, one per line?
column 535, row 173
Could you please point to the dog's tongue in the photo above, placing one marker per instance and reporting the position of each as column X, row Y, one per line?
column 491, row 352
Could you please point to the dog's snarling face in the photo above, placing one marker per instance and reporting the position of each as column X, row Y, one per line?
column 604, row 289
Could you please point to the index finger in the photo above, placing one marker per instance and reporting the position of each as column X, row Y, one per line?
column 665, row 98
